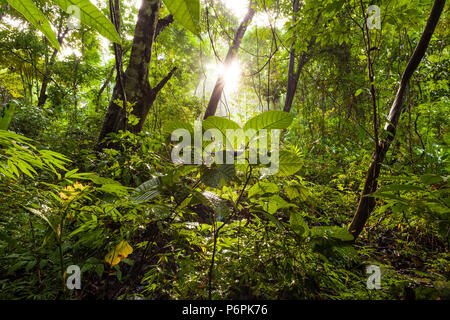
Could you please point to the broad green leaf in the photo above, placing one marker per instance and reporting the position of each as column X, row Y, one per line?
column 275, row 203
column 187, row 13
column 431, row 179
column 294, row 192
column 270, row 120
column 6, row 115
column 261, row 188
column 92, row 17
column 399, row 187
column 221, row 124
column 289, row 163
column 116, row 189
column 218, row 175
column 32, row 13
column 298, row 224
column 171, row 126
column 387, row 195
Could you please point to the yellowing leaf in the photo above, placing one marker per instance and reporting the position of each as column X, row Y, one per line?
column 121, row 251
column 69, row 192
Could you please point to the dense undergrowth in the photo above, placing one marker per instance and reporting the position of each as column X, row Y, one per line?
column 56, row 216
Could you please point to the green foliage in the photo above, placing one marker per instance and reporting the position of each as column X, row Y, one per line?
column 298, row 225
column 36, row 18
column 147, row 191
column 218, row 176
column 92, row 17
column 425, row 196
column 186, row 12
column 89, row 15
column 270, row 120
column 6, row 115
column 18, row 156
column 289, row 163
column 141, row 227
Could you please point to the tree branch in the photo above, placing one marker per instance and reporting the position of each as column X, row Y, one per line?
column 163, row 82
column 162, row 24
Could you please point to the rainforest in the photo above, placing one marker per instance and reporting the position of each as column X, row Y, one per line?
column 224, row 150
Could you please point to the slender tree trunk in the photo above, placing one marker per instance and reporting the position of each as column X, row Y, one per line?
column 294, row 75
column 367, row 203
column 136, row 86
column 43, row 93
column 103, row 88
column 292, row 79
column 48, row 71
column 232, row 52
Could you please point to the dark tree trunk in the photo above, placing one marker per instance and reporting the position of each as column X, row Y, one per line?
column 47, row 75
column 137, row 89
column 367, row 203
column 48, row 72
column 294, row 75
column 293, row 78
column 232, row 52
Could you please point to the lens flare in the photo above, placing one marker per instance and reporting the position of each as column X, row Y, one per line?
column 232, row 76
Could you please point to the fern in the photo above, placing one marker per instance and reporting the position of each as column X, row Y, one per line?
column 147, row 191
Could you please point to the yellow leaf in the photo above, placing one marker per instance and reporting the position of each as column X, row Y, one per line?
column 69, row 192
column 121, row 251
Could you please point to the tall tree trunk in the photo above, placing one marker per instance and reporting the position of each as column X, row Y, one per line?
column 367, row 203
column 293, row 75
column 136, row 86
column 45, row 81
column 232, row 52
column 48, row 71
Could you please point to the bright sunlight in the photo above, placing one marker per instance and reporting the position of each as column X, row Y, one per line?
column 230, row 74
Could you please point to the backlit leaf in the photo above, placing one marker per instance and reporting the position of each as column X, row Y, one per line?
column 32, row 13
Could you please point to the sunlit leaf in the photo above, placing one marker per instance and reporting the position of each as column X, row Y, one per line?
column 186, row 12
column 270, row 120
column 92, row 17
column 121, row 251
column 32, row 13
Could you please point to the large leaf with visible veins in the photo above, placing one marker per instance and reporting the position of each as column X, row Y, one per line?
column 32, row 13
column 91, row 16
column 186, row 12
